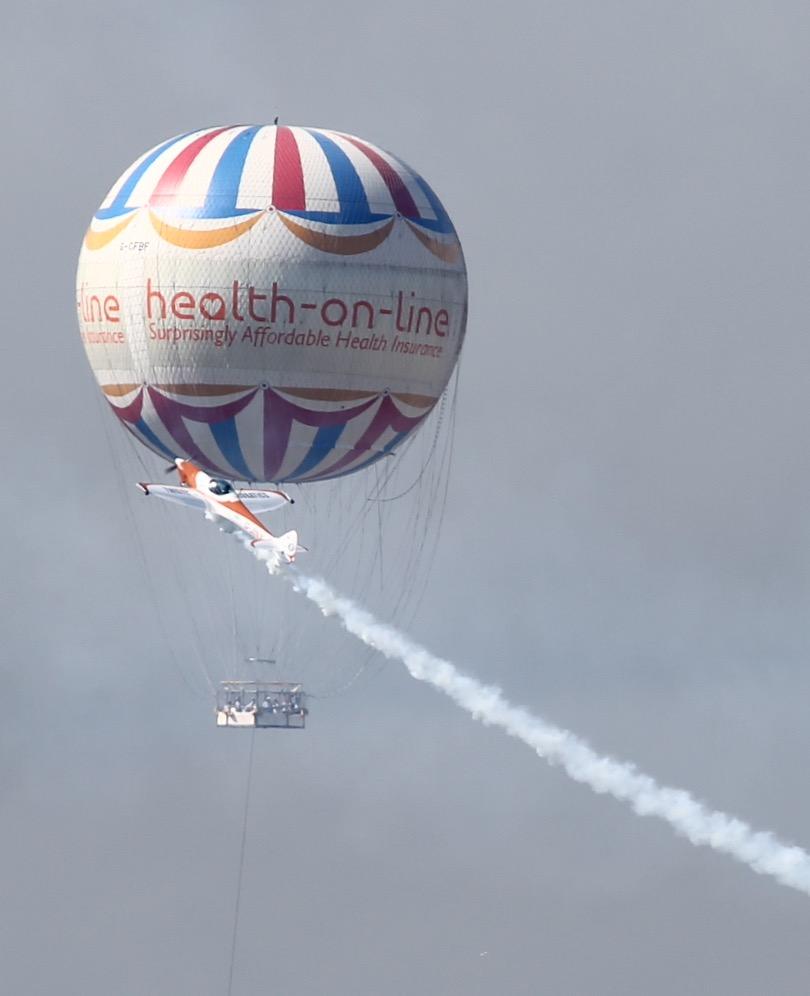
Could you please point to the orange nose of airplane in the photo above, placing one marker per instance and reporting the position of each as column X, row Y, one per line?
column 186, row 471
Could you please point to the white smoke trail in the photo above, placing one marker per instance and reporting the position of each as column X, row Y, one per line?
column 760, row 850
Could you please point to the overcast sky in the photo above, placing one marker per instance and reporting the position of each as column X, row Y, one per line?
column 630, row 184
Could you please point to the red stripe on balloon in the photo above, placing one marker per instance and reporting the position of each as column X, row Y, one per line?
column 177, row 169
column 288, row 175
column 400, row 194
column 278, row 422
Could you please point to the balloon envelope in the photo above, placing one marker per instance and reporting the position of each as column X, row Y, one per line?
column 274, row 303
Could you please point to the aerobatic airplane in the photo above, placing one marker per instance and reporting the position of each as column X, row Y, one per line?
column 233, row 510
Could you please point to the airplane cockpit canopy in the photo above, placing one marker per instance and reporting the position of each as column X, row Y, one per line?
column 220, row 487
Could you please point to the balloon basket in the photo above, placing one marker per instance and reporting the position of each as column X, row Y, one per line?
column 278, row 705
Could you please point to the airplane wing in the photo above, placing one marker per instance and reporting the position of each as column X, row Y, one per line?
column 176, row 493
column 263, row 501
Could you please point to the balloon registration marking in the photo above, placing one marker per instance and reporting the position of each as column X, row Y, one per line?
column 201, row 238
column 98, row 238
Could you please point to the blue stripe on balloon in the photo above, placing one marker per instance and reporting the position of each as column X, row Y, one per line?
column 336, row 217
column 322, row 445
column 152, row 440
column 220, row 200
column 119, row 205
column 354, row 207
column 227, row 439
column 442, row 223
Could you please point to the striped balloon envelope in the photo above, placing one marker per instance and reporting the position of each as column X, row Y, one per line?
column 274, row 303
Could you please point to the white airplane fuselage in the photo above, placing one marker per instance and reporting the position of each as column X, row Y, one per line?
column 224, row 506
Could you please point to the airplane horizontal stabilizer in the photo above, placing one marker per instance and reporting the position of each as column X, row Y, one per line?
column 287, row 545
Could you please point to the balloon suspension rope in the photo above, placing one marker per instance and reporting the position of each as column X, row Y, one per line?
column 235, row 933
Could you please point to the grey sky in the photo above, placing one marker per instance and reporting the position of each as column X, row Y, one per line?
column 629, row 182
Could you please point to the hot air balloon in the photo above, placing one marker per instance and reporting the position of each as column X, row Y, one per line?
column 284, row 305
column 274, row 303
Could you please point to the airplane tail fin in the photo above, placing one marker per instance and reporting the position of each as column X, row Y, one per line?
column 287, row 545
